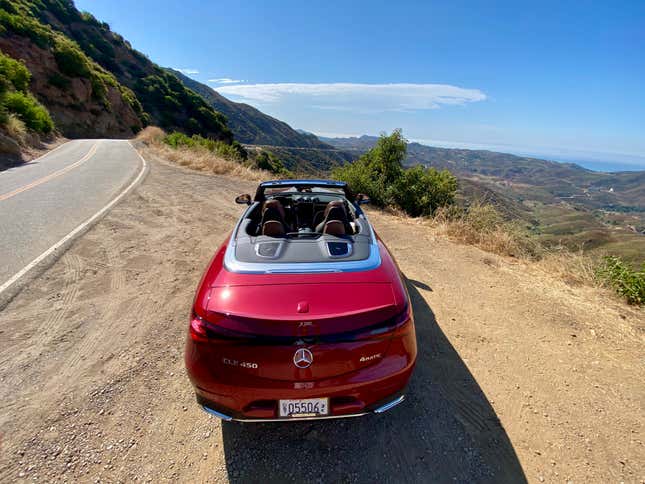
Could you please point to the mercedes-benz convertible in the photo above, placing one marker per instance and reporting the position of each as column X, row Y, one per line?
column 302, row 312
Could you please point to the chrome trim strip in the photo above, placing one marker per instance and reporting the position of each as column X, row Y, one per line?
column 392, row 404
column 227, row 418
column 221, row 416
column 233, row 265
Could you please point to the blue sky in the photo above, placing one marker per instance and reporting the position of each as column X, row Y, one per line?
column 552, row 78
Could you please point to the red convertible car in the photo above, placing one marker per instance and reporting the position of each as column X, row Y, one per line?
column 302, row 313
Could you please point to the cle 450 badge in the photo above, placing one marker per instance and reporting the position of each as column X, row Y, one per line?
column 241, row 364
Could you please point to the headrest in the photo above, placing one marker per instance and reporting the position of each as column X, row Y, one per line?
column 275, row 205
column 273, row 228
column 334, row 227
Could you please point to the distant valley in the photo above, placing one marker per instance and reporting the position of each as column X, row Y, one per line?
column 559, row 202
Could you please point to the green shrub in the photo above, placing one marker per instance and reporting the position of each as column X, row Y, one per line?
column 269, row 162
column 233, row 152
column 70, row 59
column 13, row 74
column 29, row 110
column 379, row 173
column 420, row 191
column 627, row 282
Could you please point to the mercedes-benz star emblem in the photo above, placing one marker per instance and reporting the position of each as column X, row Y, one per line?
column 303, row 358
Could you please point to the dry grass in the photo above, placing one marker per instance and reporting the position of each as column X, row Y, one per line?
column 574, row 268
column 197, row 158
column 482, row 226
column 16, row 129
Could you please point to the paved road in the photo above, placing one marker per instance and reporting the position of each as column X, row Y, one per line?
column 44, row 200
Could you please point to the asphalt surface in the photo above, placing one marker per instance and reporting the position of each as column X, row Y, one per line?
column 44, row 200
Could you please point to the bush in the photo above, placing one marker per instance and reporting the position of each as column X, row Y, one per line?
column 626, row 281
column 269, row 162
column 379, row 173
column 420, row 191
column 233, row 152
column 13, row 74
column 29, row 110
column 70, row 59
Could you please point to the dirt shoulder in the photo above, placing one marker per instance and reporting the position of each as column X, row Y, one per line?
column 518, row 377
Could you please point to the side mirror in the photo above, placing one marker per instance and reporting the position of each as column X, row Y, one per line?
column 243, row 199
column 362, row 199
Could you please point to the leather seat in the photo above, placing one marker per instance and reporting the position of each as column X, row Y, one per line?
column 334, row 227
column 273, row 221
column 273, row 228
column 335, row 221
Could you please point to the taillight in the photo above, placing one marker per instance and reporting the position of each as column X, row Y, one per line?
column 197, row 329
column 207, row 331
column 393, row 327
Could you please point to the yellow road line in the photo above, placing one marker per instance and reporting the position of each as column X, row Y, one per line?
column 51, row 176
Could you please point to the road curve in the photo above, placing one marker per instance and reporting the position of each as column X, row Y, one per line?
column 43, row 201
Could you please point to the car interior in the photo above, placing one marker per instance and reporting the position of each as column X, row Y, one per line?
column 303, row 215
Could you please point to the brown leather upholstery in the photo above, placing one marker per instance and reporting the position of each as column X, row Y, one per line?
column 277, row 206
column 334, row 227
column 273, row 228
column 335, row 203
column 274, row 212
column 335, row 211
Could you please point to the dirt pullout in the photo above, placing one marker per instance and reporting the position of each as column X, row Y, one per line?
column 518, row 377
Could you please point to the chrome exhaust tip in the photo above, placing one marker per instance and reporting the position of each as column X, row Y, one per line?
column 219, row 415
column 392, row 404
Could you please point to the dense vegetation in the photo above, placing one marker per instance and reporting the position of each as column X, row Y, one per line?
column 17, row 105
column 86, row 48
column 20, row 17
column 626, row 281
column 379, row 173
column 268, row 161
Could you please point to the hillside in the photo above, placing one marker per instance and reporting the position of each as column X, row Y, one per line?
column 253, row 127
column 560, row 202
column 557, row 180
column 91, row 79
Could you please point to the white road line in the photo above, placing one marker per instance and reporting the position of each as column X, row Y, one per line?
column 77, row 230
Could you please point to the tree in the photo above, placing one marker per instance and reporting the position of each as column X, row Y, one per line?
column 379, row 173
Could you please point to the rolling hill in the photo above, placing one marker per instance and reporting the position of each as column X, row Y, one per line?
column 562, row 203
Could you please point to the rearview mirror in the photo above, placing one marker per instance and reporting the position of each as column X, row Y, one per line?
column 244, row 199
column 362, row 199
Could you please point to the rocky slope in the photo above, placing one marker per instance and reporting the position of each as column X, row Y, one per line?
column 90, row 78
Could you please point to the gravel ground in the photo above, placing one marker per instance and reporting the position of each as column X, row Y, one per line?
column 519, row 377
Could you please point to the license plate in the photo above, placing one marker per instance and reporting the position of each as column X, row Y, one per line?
column 306, row 407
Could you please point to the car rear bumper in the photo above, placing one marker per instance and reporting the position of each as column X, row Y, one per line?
column 373, row 389
column 381, row 408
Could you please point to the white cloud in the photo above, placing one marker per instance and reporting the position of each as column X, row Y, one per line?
column 356, row 97
column 187, row 71
column 226, row 80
